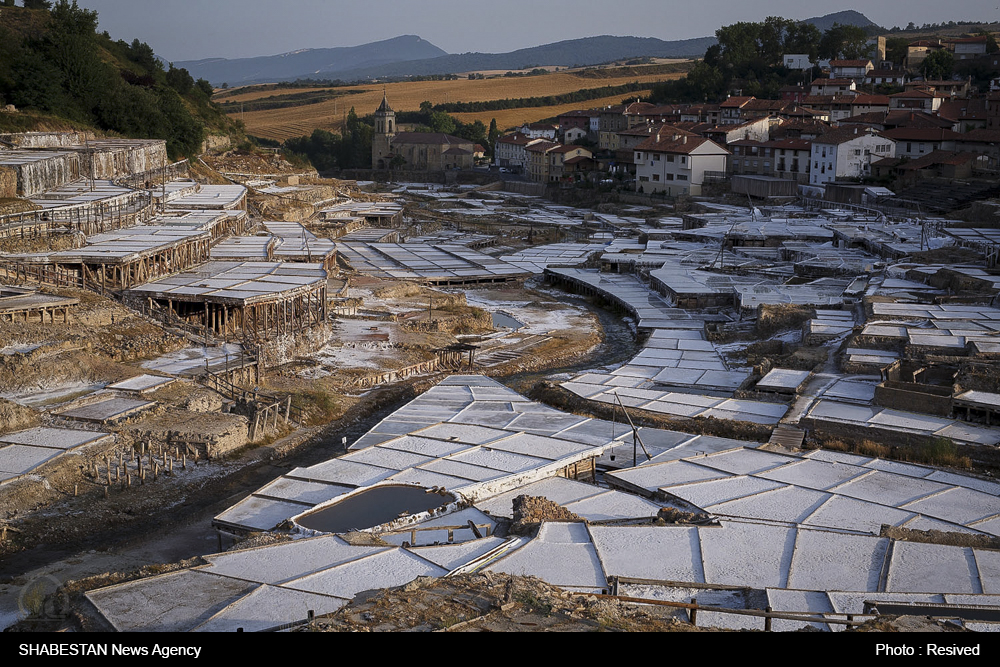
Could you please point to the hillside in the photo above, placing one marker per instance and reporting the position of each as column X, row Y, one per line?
column 848, row 17
column 409, row 56
column 59, row 72
column 311, row 63
column 570, row 53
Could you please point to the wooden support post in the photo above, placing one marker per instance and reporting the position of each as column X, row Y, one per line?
column 694, row 612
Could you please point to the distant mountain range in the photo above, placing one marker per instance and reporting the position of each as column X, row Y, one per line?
column 410, row 55
column 312, row 63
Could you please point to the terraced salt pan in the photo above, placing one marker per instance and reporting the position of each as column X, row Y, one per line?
column 452, row 556
column 562, row 554
column 851, row 514
column 744, row 461
column 613, row 505
column 500, row 460
column 268, row 606
column 814, row 602
column 959, row 505
column 791, row 504
column 343, row 472
column 889, row 489
column 747, row 554
column 991, row 527
column 715, row 491
column 932, row 568
column 477, row 435
column 826, row 560
column 539, row 446
column 662, row 475
column 837, row 457
column 559, row 490
column 21, row 459
column 671, row 553
column 259, row 513
column 813, row 474
column 174, row 602
column 384, row 457
column 52, row 438
column 463, row 470
column 424, row 446
column 386, row 569
column 296, row 490
column 429, row 479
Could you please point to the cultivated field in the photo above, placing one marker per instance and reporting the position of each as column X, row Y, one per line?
column 281, row 124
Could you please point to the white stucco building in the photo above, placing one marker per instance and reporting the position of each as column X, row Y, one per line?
column 847, row 153
column 676, row 165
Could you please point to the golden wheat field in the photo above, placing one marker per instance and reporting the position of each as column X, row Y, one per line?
column 281, row 124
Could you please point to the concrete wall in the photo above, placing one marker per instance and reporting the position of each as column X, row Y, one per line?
column 913, row 398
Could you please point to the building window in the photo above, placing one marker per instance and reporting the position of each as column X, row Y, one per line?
column 656, row 177
column 670, row 158
column 669, row 177
column 681, row 177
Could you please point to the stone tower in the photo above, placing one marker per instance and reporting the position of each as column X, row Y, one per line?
column 385, row 130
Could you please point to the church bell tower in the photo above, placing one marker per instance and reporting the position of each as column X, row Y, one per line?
column 385, row 130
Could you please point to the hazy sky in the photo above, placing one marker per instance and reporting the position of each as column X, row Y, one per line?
column 194, row 29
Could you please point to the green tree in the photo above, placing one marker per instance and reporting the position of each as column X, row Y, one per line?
column 896, row 49
column 493, row 136
column 938, row 65
column 37, row 4
column 803, row 38
column 180, row 79
column 991, row 42
column 844, row 41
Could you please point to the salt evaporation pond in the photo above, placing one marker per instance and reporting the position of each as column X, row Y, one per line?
column 501, row 320
column 373, row 507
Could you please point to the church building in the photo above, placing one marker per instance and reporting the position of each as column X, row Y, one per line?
column 420, row 151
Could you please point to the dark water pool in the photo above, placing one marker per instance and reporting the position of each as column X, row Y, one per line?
column 373, row 507
column 501, row 320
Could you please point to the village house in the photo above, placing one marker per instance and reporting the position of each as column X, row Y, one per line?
column 538, row 160
column 676, row 165
column 731, row 110
column 889, row 77
column 847, row 153
column 917, row 99
column 917, row 51
column 850, row 69
column 832, row 86
column 540, row 130
column 510, row 153
column 628, row 140
column 965, row 114
column 914, row 142
column 967, row 48
column 614, row 119
column 565, row 162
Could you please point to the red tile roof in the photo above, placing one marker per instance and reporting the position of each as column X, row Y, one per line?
column 843, row 135
column 735, row 102
column 683, row 145
column 921, row 134
column 940, row 157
